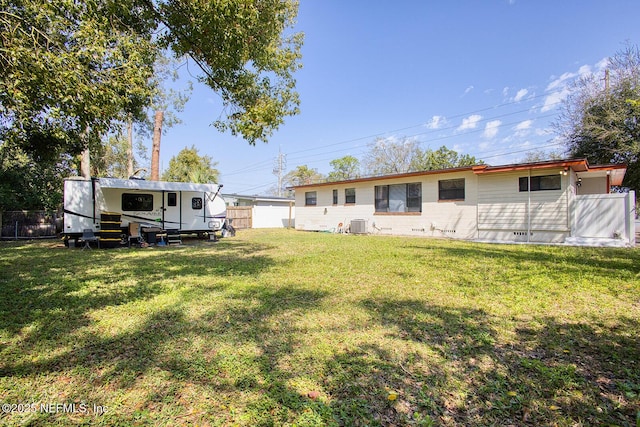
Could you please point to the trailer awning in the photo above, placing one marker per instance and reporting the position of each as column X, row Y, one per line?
column 139, row 184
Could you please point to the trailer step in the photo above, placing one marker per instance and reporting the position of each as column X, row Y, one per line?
column 173, row 237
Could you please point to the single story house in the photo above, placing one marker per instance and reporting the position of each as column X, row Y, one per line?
column 559, row 201
column 260, row 211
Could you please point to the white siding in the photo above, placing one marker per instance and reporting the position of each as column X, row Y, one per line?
column 455, row 219
column 493, row 208
column 508, row 213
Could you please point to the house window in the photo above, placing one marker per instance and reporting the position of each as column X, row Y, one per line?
column 172, row 199
column 196, row 203
column 137, row 202
column 399, row 198
column 451, row 189
column 349, row 196
column 311, row 198
column 540, row 183
column 335, row 197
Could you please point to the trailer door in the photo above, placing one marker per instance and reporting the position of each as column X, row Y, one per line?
column 172, row 217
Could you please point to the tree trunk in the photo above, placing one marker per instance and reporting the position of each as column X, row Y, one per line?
column 85, row 164
column 130, row 149
column 155, row 150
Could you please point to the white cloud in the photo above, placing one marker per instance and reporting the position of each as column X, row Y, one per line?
column 602, row 64
column 523, row 128
column 521, row 94
column 553, row 100
column 470, row 122
column 559, row 86
column 467, row 90
column 584, row 70
column 491, row 129
column 524, row 125
column 436, row 122
column 561, row 82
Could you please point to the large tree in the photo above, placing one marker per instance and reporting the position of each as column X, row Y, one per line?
column 442, row 158
column 347, row 167
column 302, row 175
column 25, row 184
column 69, row 70
column 72, row 70
column 111, row 158
column 390, row 156
column 600, row 120
column 189, row 166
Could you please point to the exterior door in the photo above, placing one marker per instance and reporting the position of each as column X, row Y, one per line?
column 171, row 204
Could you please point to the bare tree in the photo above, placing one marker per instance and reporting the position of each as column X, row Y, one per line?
column 390, row 156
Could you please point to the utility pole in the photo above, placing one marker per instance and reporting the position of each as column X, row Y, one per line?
column 278, row 169
column 606, row 81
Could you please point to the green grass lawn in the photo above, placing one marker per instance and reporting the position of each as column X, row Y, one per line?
column 313, row 329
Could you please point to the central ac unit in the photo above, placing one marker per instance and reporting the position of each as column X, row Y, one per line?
column 358, row 226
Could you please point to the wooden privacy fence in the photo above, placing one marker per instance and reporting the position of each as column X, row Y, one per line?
column 29, row 224
column 241, row 216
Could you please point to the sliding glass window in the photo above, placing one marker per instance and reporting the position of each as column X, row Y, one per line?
column 399, row 197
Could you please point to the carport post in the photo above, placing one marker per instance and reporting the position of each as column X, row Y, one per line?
column 290, row 209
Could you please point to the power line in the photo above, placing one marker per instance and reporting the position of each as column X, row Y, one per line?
column 313, row 158
column 440, row 129
column 262, row 165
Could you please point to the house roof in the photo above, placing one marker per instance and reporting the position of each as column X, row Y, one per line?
column 259, row 198
column 580, row 166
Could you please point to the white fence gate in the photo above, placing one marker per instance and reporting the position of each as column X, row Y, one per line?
column 605, row 216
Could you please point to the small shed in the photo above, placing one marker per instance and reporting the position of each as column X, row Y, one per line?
column 260, row 211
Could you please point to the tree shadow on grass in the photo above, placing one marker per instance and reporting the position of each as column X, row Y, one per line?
column 49, row 294
column 589, row 369
column 41, row 283
column 265, row 319
column 607, row 261
column 162, row 348
column 550, row 373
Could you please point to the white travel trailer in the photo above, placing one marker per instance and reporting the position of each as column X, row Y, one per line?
column 178, row 207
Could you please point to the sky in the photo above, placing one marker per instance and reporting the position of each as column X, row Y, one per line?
column 482, row 77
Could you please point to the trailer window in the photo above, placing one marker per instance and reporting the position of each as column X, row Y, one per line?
column 196, row 203
column 137, row 202
column 172, row 199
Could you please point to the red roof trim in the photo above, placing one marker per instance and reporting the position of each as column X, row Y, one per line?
column 579, row 165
